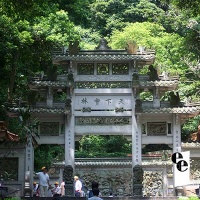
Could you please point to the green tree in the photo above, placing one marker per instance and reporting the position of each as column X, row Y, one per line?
column 169, row 47
column 27, row 48
column 103, row 146
column 46, row 155
column 191, row 5
column 113, row 15
column 78, row 10
column 117, row 143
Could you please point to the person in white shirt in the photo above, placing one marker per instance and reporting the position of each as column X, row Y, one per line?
column 62, row 186
column 43, row 181
column 77, row 187
column 56, row 191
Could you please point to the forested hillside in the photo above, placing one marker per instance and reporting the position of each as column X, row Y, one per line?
column 30, row 29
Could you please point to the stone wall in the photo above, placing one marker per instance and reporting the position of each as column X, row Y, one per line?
column 115, row 180
column 115, row 175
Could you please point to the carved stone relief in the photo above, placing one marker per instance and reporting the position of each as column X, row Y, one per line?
column 153, row 183
column 108, row 78
column 119, row 182
column 156, row 128
column 9, row 169
column 49, row 128
column 111, row 84
column 195, row 169
column 102, row 120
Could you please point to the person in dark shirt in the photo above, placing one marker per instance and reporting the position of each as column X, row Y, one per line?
column 95, row 195
column 95, row 185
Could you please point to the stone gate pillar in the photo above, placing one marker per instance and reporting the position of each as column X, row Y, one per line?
column 29, row 166
column 136, row 155
column 69, row 180
column 136, row 141
column 176, row 144
column 137, row 180
column 69, row 150
column 176, row 133
column 69, row 142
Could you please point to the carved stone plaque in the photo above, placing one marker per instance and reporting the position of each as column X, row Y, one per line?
column 103, row 102
column 102, row 120
column 156, row 128
column 49, row 128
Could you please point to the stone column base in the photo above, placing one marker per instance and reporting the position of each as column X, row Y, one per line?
column 69, row 180
column 179, row 191
column 137, row 190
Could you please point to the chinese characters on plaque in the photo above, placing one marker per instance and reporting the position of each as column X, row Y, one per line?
column 103, row 102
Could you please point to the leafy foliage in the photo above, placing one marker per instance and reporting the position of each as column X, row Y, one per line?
column 103, row 146
column 46, row 154
column 169, row 47
column 189, row 198
column 191, row 5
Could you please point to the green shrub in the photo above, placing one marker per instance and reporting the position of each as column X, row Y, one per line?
column 189, row 198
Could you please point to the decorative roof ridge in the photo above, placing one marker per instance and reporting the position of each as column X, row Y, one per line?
column 99, row 57
column 117, row 163
column 59, row 110
column 177, row 110
column 12, row 136
column 105, row 55
column 50, row 83
column 157, row 83
column 46, row 107
column 166, row 80
column 190, row 144
column 7, row 135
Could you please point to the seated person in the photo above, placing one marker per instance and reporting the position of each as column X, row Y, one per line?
column 56, row 191
column 35, row 189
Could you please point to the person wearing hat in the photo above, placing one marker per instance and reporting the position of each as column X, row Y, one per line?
column 43, row 181
column 56, row 191
column 77, row 187
column 35, row 189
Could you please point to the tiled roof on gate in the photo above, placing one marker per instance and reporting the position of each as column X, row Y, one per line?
column 121, row 162
column 165, row 83
column 52, row 110
column 49, row 83
column 190, row 144
column 12, row 136
column 7, row 135
column 172, row 110
column 99, row 57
